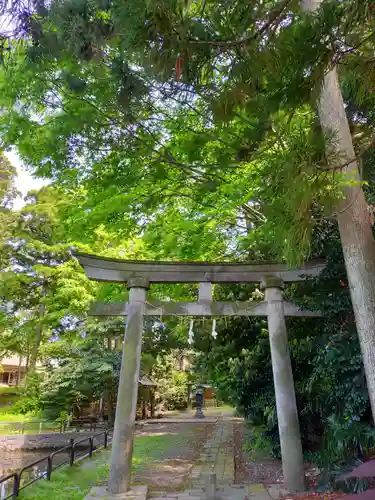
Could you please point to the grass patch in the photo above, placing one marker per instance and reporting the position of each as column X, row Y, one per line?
column 74, row 483
column 29, row 425
column 9, row 396
column 7, row 415
column 5, row 389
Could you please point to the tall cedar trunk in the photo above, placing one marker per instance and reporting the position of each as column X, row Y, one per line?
column 353, row 219
column 38, row 333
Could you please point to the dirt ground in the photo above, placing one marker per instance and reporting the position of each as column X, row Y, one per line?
column 170, row 470
column 249, row 470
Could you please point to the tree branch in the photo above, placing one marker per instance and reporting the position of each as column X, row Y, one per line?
column 274, row 15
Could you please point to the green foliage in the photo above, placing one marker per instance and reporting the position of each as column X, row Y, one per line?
column 85, row 366
column 348, row 437
column 86, row 369
column 188, row 164
column 29, row 402
column 345, row 440
column 7, row 217
column 172, row 384
column 259, row 443
column 43, row 285
column 63, row 418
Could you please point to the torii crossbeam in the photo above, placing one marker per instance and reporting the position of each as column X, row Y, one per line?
column 139, row 275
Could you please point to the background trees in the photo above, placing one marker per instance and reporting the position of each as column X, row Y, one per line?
column 40, row 284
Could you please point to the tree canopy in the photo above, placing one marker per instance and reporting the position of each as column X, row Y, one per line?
column 155, row 102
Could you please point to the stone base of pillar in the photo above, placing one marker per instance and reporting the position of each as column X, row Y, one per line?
column 199, row 413
column 101, row 492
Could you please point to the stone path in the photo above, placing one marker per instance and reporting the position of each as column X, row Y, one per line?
column 217, row 457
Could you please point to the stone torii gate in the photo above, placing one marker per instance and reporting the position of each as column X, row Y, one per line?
column 139, row 275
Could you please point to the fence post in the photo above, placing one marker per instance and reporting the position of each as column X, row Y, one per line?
column 23, row 428
column 105, row 439
column 91, row 446
column 49, row 468
column 71, row 452
column 40, row 427
column 16, row 485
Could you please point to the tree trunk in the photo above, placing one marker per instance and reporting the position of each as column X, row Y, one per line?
column 19, row 371
column 108, row 398
column 40, row 7
column 152, row 403
column 27, row 358
column 189, row 397
column 109, row 343
column 38, row 333
column 353, row 219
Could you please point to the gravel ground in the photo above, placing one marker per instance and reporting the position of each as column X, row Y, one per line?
column 317, row 496
column 249, row 470
column 266, row 471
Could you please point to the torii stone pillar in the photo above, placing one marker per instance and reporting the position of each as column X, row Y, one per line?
column 126, row 407
column 287, row 415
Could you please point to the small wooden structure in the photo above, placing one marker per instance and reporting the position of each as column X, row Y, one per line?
column 97, row 410
column 146, row 398
column 139, row 275
column 13, row 371
column 209, row 395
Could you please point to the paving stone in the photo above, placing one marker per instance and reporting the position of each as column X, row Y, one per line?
column 257, row 492
column 201, row 484
column 255, row 488
column 165, row 494
column 190, row 498
column 136, row 493
column 277, row 490
column 239, row 495
column 258, row 496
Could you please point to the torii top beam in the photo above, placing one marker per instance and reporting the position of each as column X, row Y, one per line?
column 120, row 271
